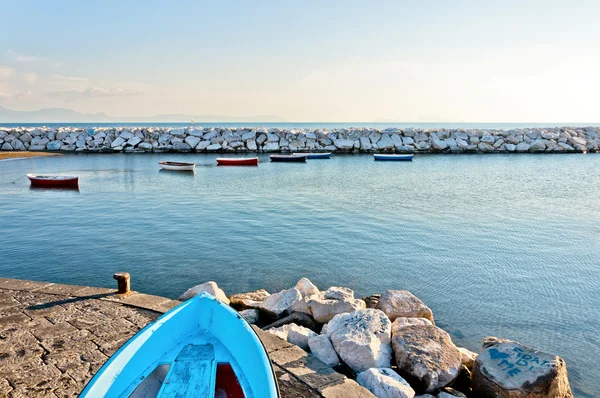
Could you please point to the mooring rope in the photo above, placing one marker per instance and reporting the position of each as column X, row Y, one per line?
column 20, row 178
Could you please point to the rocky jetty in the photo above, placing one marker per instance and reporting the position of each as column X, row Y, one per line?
column 253, row 139
column 391, row 346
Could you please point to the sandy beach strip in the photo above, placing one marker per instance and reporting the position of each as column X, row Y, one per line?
column 16, row 155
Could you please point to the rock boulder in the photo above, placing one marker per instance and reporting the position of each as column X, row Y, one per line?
column 507, row 369
column 426, row 357
column 248, row 300
column 323, row 310
column 385, row 383
column 402, row 303
column 208, row 287
column 321, row 347
column 280, row 304
column 362, row 339
column 306, row 287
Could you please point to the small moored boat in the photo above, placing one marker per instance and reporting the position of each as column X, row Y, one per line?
column 201, row 348
column 177, row 166
column 237, row 161
column 288, row 158
column 53, row 181
column 314, row 155
column 393, row 157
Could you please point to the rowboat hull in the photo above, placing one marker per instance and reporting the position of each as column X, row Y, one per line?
column 393, row 158
column 195, row 349
column 312, row 155
column 51, row 181
column 177, row 166
column 237, row 161
column 289, row 158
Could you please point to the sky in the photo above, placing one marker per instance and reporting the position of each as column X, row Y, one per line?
column 338, row 61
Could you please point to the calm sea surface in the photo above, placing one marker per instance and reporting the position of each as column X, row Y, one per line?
column 308, row 125
column 496, row 244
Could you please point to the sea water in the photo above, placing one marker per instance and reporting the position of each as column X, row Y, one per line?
column 503, row 245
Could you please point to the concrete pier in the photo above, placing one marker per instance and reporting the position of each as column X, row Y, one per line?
column 54, row 338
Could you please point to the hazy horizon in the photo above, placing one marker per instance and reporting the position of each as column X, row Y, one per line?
column 343, row 61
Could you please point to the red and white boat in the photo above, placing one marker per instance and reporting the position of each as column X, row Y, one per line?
column 53, row 181
column 237, row 161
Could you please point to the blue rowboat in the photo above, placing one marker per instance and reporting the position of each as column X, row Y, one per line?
column 313, row 155
column 288, row 158
column 393, row 157
column 201, row 348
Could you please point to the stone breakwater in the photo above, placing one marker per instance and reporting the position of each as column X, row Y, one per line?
column 390, row 344
column 351, row 140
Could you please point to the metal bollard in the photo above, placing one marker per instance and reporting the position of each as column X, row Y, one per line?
column 123, row 282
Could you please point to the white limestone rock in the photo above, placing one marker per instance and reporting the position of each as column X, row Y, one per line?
column 7, row 147
column 271, row 147
column 385, row 383
column 437, row 143
column 306, row 287
column 272, row 138
column 192, row 141
column 338, row 293
column 537, row 146
column 323, row 310
column 54, row 145
column 485, row 147
column 488, row 139
column 365, row 143
column 17, row 145
column 402, row 303
column 145, row 146
column 181, row 146
column 344, row 144
column 385, row 142
column 119, row 141
column 575, row 140
column 209, row 287
column 280, row 304
column 523, row 147
column 281, row 332
column 362, row 339
column 321, row 347
column 250, row 315
column 251, row 145
column 126, row 135
column 299, row 335
column 213, row 147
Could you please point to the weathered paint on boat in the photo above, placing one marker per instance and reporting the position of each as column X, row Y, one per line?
column 288, row 158
column 314, row 155
column 178, row 354
column 177, row 166
column 393, row 157
column 237, row 161
column 53, row 181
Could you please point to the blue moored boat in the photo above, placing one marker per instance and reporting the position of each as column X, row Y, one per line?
column 201, row 348
column 289, row 158
column 314, row 155
column 393, row 157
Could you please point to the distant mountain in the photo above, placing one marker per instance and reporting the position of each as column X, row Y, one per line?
column 62, row 115
column 50, row 115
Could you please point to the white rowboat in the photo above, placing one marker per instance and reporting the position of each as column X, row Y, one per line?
column 177, row 166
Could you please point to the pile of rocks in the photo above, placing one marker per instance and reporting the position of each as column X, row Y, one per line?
column 391, row 345
column 249, row 139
